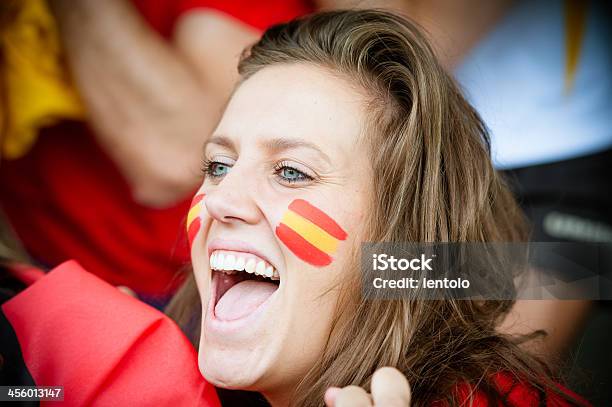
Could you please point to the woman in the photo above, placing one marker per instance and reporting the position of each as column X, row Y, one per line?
column 344, row 129
column 345, row 120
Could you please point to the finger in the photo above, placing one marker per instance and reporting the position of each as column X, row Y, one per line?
column 353, row 396
column 390, row 388
column 330, row 396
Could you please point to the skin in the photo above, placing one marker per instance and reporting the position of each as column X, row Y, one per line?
column 159, row 98
column 562, row 320
column 389, row 389
column 268, row 113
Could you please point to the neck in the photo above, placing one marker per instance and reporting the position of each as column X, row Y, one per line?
column 278, row 399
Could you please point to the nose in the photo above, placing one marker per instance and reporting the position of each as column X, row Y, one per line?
column 231, row 200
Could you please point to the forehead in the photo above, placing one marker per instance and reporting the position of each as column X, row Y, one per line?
column 297, row 101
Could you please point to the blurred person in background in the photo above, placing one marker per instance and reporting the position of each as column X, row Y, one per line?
column 541, row 81
column 102, row 173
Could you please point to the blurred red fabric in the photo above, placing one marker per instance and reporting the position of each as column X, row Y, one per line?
column 163, row 14
column 105, row 347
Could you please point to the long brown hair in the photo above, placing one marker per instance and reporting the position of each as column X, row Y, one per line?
column 433, row 182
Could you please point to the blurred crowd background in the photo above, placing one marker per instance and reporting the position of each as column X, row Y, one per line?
column 105, row 105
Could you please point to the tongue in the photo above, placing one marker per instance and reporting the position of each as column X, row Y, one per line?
column 242, row 299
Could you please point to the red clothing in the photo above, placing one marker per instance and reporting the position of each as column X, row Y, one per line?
column 162, row 14
column 515, row 393
column 66, row 199
column 105, row 347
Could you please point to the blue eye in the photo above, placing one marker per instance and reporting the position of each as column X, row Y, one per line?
column 292, row 175
column 219, row 169
column 216, row 169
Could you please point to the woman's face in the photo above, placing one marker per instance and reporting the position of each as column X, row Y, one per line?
column 285, row 196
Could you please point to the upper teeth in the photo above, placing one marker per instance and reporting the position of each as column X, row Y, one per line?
column 231, row 263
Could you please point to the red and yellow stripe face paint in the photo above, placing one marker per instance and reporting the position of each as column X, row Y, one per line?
column 194, row 222
column 310, row 233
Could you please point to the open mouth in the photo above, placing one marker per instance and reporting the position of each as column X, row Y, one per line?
column 241, row 283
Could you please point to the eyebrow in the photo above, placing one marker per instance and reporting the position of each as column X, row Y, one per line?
column 222, row 141
column 274, row 145
column 280, row 144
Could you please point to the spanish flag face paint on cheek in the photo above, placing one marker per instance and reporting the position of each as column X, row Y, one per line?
column 194, row 222
column 310, row 233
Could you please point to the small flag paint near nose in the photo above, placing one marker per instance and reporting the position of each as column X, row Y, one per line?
column 310, row 233
column 193, row 218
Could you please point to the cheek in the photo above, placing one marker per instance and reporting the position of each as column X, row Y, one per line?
column 310, row 234
column 313, row 314
column 194, row 220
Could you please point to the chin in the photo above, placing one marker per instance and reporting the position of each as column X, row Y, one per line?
column 227, row 370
